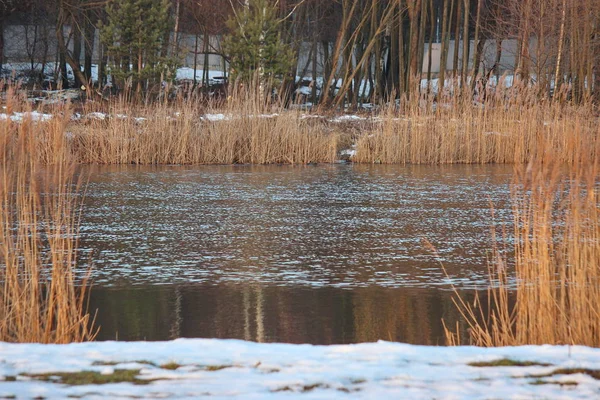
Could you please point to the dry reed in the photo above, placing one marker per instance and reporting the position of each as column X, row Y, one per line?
column 452, row 128
column 510, row 127
column 41, row 300
column 553, row 296
column 244, row 130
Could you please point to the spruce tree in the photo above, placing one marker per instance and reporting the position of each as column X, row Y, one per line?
column 134, row 36
column 254, row 46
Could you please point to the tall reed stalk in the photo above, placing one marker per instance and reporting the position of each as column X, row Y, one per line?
column 553, row 294
column 508, row 126
column 41, row 300
column 245, row 129
column 452, row 128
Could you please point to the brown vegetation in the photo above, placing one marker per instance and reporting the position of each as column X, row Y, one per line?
column 248, row 132
column 509, row 128
column 553, row 294
column 41, row 299
column 503, row 125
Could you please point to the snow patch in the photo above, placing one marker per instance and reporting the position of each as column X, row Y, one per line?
column 34, row 116
column 348, row 118
column 215, row 117
column 224, row 368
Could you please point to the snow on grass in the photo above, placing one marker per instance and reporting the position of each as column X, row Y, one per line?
column 349, row 152
column 186, row 73
column 34, row 116
column 190, row 368
column 50, row 69
column 216, row 117
column 348, row 118
column 96, row 115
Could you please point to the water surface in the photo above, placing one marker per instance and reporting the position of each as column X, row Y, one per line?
column 319, row 254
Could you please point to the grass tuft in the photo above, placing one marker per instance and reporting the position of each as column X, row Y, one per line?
column 213, row 368
column 170, row 366
column 594, row 373
column 543, row 382
column 549, row 293
column 92, row 377
column 41, row 298
column 506, row 362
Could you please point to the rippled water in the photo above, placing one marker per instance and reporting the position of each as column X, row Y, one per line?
column 319, row 237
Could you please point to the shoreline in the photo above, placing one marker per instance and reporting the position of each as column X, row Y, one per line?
column 221, row 368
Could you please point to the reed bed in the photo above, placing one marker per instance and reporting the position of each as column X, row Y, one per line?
column 243, row 130
column 41, row 300
column 553, row 294
column 509, row 128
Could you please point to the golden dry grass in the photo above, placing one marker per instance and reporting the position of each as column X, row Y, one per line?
column 553, row 294
column 512, row 127
column 41, row 300
column 244, row 130
column 455, row 129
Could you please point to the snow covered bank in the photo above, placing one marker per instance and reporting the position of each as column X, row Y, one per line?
column 20, row 116
column 190, row 368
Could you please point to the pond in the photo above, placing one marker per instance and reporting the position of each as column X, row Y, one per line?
column 321, row 254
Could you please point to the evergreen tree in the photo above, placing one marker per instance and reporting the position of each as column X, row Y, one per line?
column 255, row 47
column 134, row 34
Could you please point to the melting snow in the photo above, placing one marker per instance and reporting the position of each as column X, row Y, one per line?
column 348, row 118
column 215, row 117
column 234, row 368
column 97, row 115
column 19, row 117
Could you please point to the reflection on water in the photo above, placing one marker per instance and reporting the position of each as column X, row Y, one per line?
column 274, row 314
column 333, row 225
column 326, row 254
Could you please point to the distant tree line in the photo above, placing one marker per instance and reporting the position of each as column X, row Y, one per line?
column 364, row 50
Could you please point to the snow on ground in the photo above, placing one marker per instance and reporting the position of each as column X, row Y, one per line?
column 216, row 117
column 20, row 116
column 186, row 73
column 348, row 118
column 246, row 370
column 50, row 68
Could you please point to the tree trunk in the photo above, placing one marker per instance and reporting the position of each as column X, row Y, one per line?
column 421, row 41
column 176, row 29
column 327, row 68
column 392, row 74
column 89, row 37
column 313, row 89
column 466, row 42
column 1, row 43
column 347, row 16
column 444, row 46
column 205, row 63
column 401, row 48
column 140, row 66
column 477, row 60
column 195, row 60
column 102, row 67
column 456, row 37
column 413, row 13
column 77, row 52
column 431, row 32
column 478, row 49
column 375, row 91
column 44, row 60
column 66, row 57
column 523, row 65
column 588, row 64
column 315, row 54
